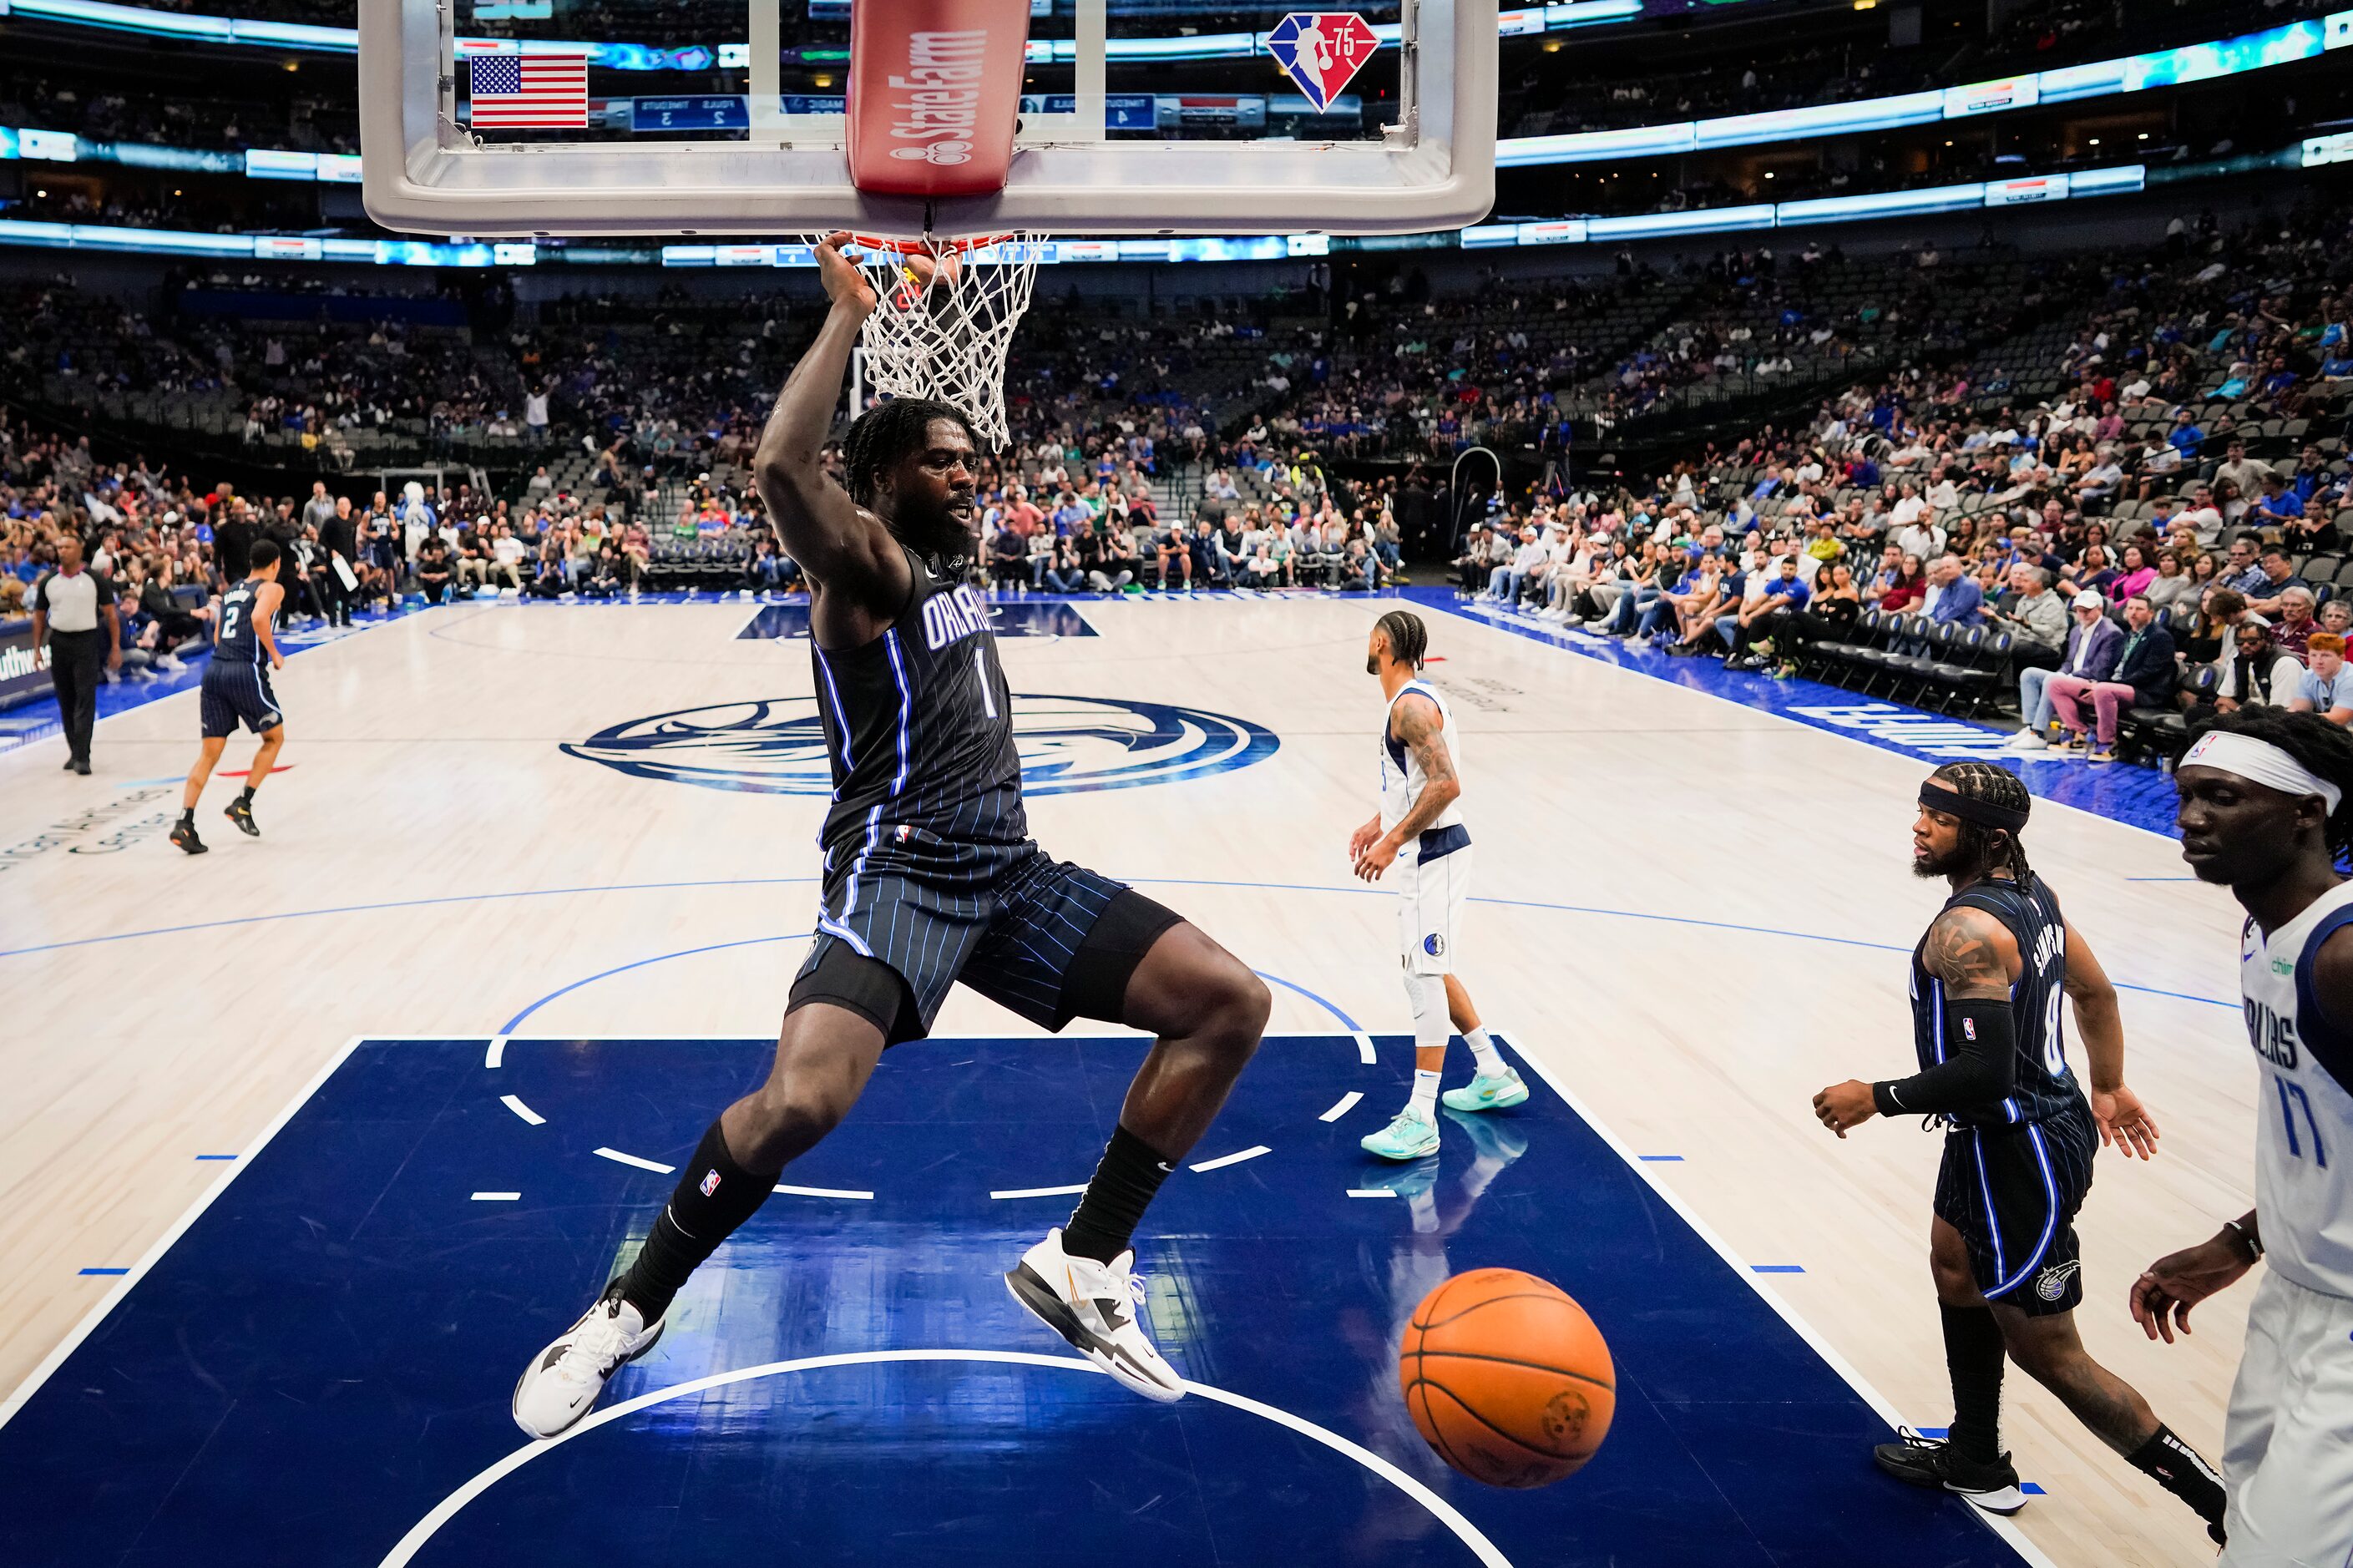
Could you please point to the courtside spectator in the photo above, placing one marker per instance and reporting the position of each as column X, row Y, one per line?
column 2327, row 685
column 2143, row 676
column 2092, row 645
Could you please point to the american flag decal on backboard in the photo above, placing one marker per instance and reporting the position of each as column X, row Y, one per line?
column 522, row 90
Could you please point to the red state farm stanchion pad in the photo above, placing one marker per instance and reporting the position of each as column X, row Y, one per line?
column 935, row 90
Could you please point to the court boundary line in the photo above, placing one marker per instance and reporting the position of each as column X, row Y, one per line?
column 404, row 1550
column 1591, row 656
column 2007, row 1530
column 22, row 1395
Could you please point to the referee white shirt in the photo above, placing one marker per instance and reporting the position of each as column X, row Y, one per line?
column 70, row 602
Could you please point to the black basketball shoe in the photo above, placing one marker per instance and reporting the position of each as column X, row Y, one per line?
column 242, row 815
column 1934, row 1463
column 184, row 833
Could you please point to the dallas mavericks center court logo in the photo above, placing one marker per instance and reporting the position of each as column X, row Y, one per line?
column 1067, row 743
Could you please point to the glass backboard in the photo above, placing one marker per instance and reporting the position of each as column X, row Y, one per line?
column 513, row 117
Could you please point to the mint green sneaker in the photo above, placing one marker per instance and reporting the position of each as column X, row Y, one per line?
column 1488, row 1091
column 1409, row 1137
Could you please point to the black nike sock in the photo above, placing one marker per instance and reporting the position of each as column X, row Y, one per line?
column 714, row 1196
column 1104, row 1223
column 187, row 817
column 1973, row 1359
column 2177, row 1466
column 245, row 796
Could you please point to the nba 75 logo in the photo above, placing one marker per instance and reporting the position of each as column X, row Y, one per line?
column 1321, row 51
column 776, row 746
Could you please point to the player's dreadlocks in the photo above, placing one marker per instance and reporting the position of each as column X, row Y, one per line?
column 1990, row 848
column 1409, row 639
column 886, row 433
column 2319, row 745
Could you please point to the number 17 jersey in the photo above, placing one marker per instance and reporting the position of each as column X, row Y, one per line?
column 2304, row 1115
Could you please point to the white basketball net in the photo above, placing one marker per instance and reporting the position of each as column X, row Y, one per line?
column 948, row 342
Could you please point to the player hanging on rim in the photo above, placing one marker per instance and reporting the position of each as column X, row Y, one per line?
column 1419, row 829
column 930, row 876
column 2264, row 812
column 237, row 692
column 1988, row 981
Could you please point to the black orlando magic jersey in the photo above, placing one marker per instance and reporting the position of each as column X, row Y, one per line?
column 919, row 728
column 238, row 642
column 2045, row 1089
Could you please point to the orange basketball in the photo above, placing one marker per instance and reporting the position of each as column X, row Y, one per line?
column 1506, row 1378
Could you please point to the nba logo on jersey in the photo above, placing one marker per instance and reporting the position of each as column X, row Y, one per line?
column 1321, row 51
column 709, row 1183
column 1969, row 1028
column 902, row 833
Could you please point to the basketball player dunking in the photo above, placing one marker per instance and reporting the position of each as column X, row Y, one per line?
column 930, row 877
column 1987, row 982
column 2264, row 812
column 237, row 692
column 1419, row 829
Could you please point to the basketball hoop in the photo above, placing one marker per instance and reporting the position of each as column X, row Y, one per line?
column 947, row 340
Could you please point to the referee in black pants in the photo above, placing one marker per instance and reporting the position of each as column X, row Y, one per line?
column 68, row 605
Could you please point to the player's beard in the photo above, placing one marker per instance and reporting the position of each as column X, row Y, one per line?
column 938, row 536
column 1939, row 866
column 1372, row 664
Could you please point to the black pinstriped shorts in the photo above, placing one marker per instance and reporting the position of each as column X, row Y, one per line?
column 2012, row 1192
column 905, row 920
column 236, row 694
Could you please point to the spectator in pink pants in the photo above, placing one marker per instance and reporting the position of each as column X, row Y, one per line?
column 2144, row 677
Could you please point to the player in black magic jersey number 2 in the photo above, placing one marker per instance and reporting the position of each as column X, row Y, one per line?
column 237, row 692
column 1988, row 983
column 930, row 877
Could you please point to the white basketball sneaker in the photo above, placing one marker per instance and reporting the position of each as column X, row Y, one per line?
column 1092, row 1305
column 561, row 1383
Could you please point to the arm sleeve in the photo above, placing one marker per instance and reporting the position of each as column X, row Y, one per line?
column 1981, row 1069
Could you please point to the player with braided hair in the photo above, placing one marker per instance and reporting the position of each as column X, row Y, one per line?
column 1989, row 980
column 930, row 879
column 2266, row 810
column 1419, row 829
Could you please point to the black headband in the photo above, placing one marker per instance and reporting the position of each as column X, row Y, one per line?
column 1943, row 797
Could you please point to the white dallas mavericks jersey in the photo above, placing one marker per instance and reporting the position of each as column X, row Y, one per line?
column 1401, row 775
column 2304, row 1113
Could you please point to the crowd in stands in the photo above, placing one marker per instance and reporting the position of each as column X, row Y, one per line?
column 1053, row 519
column 2139, row 537
column 2162, row 430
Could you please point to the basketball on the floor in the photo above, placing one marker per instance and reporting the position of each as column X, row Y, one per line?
column 1506, row 1378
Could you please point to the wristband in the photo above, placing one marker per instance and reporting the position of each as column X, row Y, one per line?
column 2253, row 1243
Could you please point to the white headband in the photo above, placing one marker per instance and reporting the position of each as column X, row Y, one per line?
column 2260, row 761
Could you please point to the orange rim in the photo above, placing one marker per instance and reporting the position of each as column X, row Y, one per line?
column 928, row 247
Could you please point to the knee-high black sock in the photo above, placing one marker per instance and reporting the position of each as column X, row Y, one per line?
column 714, row 1196
column 2177, row 1466
column 1105, row 1222
column 1973, row 1356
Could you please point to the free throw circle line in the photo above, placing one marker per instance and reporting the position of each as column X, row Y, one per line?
column 405, row 1551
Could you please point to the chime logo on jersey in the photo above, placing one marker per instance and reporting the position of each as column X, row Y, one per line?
column 1068, row 745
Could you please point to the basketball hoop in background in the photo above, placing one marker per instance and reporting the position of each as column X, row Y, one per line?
column 945, row 338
